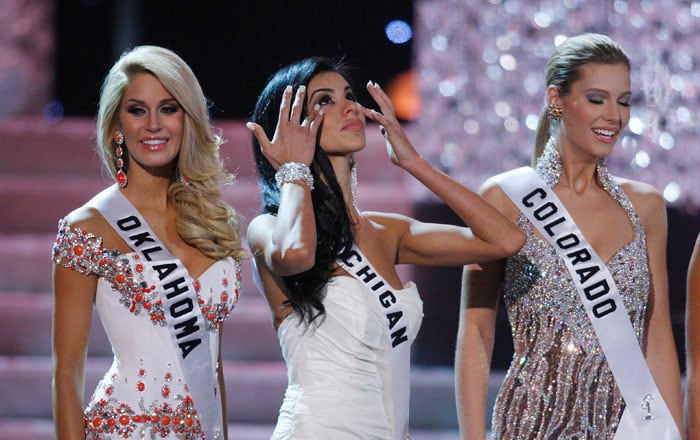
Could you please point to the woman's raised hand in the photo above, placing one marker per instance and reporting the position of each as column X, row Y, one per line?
column 294, row 139
column 399, row 147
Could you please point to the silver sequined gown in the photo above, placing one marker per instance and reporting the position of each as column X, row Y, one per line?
column 559, row 385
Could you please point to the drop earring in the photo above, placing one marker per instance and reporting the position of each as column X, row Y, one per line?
column 353, row 183
column 121, row 175
column 182, row 178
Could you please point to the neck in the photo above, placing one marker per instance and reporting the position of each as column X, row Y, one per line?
column 577, row 173
column 146, row 189
column 342, row 168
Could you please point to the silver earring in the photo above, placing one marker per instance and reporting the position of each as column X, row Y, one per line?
column 353, row 183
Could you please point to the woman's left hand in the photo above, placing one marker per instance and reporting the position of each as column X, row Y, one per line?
column 399, row 147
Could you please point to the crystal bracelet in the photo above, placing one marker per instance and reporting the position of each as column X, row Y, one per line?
column 291, row 171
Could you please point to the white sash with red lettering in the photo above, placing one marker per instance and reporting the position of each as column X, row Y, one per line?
column 389, row 304
column 646, row 416
column 184, row 318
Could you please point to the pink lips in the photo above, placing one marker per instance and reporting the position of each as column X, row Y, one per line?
column 355, row 124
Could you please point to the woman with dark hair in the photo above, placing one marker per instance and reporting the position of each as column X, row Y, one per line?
column 344, row 319
column 587, row 296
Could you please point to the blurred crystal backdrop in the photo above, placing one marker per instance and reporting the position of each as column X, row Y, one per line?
column 480, row 66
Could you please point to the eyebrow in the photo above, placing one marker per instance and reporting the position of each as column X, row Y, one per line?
column 607, row 92
column 328, row 90
column 162, row 101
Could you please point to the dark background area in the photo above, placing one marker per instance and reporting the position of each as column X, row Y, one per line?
column 233, row 46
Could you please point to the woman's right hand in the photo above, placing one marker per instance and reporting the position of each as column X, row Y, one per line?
column 294, row 140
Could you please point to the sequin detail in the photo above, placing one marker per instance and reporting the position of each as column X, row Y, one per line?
column 559, row 384
column 84, row 253
column 108, row 417
column 216, row 312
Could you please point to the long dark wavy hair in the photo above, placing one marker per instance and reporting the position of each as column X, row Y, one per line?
column 333, row 224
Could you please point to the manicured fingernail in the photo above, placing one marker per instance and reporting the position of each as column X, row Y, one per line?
column 250, row 126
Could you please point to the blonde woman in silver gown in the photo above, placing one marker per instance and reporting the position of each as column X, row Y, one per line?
column 559, row 384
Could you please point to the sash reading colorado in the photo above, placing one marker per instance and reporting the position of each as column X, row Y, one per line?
column 387, row 299
column 172, row 282
column 590, row 279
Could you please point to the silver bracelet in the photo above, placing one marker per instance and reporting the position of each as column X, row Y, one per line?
column 291, row 171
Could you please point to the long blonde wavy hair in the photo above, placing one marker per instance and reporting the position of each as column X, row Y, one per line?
column 205, row 220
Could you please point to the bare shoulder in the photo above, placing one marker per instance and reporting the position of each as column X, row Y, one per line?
column 646, row 199
column 89, row 219
column 494, row 194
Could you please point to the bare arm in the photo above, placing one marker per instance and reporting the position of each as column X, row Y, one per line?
column 222, row 385
column 475, row 338
column 481, row 285
column 73, row 296
column 692, row 334
column 290, row 248
column 661, row 349
column 490, row 235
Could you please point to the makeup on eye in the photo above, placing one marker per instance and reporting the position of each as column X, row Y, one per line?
column 327, row 95
column 600, row 98
column 137, row 107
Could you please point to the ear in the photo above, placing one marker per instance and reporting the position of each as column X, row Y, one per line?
column 553, row 96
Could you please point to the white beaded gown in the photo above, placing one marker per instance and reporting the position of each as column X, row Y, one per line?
column 144, row 394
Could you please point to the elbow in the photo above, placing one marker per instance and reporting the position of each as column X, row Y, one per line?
column 293, row 261
column 513, row 242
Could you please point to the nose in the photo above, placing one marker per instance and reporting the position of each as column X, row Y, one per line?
column 351, row 107
column 612, row 112
column 154, row 122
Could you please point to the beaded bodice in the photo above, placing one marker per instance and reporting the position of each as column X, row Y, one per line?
column 81, row 251
column 144, row 394
column 558, row 384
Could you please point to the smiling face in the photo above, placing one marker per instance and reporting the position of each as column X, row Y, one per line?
column 595, row 111
column 343, row 128
column 152, row 122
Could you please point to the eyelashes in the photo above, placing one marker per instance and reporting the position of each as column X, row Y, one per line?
column 597, row 101
column 168, row 109
column 327, row 99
